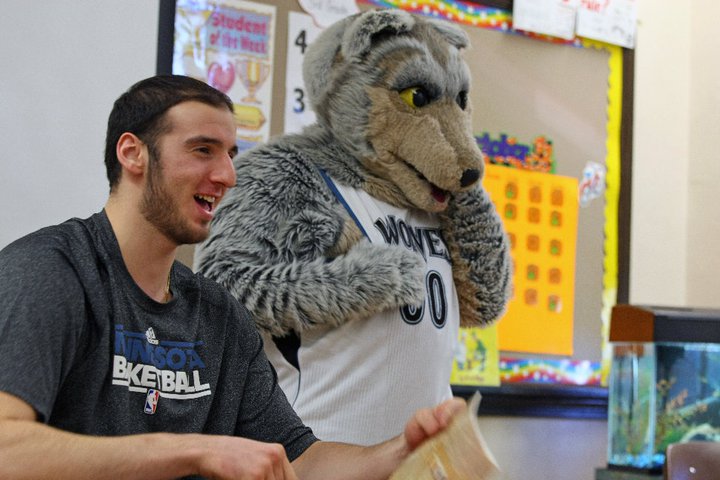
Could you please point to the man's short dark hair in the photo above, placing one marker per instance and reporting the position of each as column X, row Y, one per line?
column 141, row 111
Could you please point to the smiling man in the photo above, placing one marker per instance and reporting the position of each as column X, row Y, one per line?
column 118, row 361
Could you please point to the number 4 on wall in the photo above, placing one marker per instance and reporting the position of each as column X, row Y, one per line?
column 302, row 31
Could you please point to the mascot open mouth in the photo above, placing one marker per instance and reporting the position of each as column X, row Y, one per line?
column 436, row 192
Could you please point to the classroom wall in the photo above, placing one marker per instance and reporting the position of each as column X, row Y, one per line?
column 703, row 246
column 659, row 232
column 64, row 63
column 675, row 233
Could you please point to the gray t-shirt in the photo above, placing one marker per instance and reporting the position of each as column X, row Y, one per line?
column 82, row 344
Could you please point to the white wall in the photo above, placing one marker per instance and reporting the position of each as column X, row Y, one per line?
column 675, row 244
column 660, row 155
column 546, row 448
column 65, row 62
column 63, row 65
column 703, row 227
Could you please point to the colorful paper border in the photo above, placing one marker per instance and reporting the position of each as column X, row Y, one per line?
column 550, row 371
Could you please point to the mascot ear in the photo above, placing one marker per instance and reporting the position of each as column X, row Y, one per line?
column 358, row 37
column 455, row 35
column 350, row 38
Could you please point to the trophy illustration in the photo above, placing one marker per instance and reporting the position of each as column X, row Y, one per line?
column 189, row 27
column 252, row 74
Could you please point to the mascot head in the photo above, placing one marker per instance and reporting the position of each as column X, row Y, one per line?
column 392, row 88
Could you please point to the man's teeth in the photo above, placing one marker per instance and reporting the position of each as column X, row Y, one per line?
column 206, row 201
column 206, row 198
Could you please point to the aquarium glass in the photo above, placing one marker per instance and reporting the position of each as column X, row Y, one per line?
column 660, row 394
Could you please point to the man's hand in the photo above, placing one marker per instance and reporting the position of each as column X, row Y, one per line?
column 430, row 421
column 328, row 460
column 242, row 459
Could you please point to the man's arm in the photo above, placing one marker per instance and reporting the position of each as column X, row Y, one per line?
column 29, row 449
column 341, row 461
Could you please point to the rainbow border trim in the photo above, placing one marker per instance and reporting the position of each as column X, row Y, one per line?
column 453, row 10
column 548, row 371
column 468, row 13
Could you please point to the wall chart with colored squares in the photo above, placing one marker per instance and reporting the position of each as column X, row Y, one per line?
column 540, row 212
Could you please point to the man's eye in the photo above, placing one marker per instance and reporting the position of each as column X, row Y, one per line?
column 416, row 97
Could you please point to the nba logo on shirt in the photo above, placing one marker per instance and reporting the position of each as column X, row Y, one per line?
column 151, row 401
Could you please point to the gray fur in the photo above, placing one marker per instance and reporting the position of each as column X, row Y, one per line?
column 271, row 232
column 277, row 240
column 473, row 227
column 452, row 34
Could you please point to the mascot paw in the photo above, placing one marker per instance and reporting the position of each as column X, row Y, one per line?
column 390, row 272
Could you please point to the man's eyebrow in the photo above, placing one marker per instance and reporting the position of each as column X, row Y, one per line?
column 200, row 139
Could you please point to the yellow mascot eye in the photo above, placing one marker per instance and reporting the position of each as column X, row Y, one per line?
column 415, row 97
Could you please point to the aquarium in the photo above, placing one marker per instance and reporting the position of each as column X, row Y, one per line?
column 664, row 383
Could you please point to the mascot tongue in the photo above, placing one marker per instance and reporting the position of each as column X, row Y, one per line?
column 438, row 194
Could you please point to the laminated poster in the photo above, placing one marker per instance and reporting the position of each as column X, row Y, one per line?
column 230, row 46
column 611, row 21
column 476, row 358
column 550, row 17
column 540, row 214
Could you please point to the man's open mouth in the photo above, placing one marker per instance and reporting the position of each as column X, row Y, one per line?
column 207, row 202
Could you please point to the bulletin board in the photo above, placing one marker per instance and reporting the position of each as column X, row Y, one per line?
column 525, row 88
column 528, row 92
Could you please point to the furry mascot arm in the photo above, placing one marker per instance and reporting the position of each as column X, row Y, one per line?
column 481, row 256
column 390, row 94
column 270, row 241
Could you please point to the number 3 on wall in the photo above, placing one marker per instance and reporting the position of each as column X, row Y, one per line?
column 301, row 33
column 299, row 106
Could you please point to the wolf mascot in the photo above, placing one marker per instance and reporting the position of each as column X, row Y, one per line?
column 359, row 244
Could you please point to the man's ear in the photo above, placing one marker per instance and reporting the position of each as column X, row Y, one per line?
column 132, row 153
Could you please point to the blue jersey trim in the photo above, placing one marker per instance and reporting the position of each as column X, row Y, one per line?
column 341, row 199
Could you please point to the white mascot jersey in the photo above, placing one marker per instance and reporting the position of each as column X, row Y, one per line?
column 361, row 382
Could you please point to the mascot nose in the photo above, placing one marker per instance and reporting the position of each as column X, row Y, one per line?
column 469, row 177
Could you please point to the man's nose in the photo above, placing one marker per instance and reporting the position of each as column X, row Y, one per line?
column 225, row 172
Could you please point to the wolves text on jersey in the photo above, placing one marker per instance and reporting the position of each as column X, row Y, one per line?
column 426, row 241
